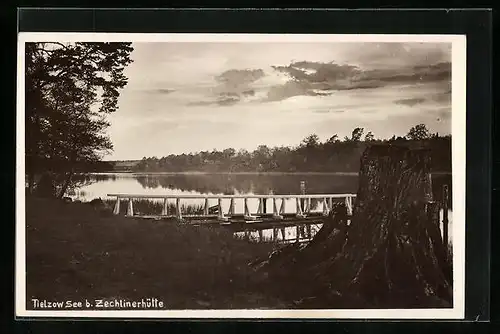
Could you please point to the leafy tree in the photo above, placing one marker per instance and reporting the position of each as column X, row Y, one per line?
column 357, row 133
column 418, row 132
column 310, row 155
column 369, row 136
column 310, row 141
column 333, row 139
column 70, row 89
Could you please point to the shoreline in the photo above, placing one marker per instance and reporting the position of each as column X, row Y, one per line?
column 241, row 173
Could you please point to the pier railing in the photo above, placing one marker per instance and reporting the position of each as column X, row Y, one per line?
column 303, row 205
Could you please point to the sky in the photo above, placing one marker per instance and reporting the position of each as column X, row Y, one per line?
column 184, row 97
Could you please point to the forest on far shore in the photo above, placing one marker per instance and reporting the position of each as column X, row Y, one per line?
column 311, row 155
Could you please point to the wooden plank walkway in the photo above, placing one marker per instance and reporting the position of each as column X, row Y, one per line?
column 303, row 206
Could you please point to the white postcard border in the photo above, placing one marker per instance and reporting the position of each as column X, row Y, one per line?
column 458, row 178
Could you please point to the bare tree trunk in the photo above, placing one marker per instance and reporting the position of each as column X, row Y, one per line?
column 391, row 255
column 66, row 184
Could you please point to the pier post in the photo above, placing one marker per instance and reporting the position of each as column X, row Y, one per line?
column 231, row 207
column 264, row 205
column 275, row 234
column 348, row 204
column 297, row 236
column 260, row 235
column 116, row 211
column 276, row 214
column 302, row 192
column 220, row 212
column 259, row 209
column 164, row 211
column 178, row 208
column 130, row 209
column 283, row 207
column 326, row 210
column 205, row 207
column 247, row 214
column 308, row 209
column 299, row 213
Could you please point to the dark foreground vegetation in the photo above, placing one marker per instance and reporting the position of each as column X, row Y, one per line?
column 77, row 251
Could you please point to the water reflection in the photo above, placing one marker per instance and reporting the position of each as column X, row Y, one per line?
column 99, row 185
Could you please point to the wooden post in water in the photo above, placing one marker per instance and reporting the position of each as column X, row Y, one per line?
column 275, row 234
column 264, row 205
column 231, row 207
column 282, row 207
column 302, row 192
column 164, row 211
column 445, row 215
column 259, row 209
column 276, row 214
column 297, row 232
column 205, row 207
column 260, row 235
column 130, row 209
column 220, row 212
column 247, row 215
column 116, row 211
column 326, row 210
column 348, row 204
column 178, row 208
column 299, row 213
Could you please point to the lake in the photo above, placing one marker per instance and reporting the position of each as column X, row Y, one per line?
column 98, row 185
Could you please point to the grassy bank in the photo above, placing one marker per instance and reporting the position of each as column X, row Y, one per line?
column 74, row 251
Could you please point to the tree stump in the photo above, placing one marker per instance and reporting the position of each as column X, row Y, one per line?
column 392, row 254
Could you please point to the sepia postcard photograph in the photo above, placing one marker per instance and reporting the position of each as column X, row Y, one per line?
column 240, row 176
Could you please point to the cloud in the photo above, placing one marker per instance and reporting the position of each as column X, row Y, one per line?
column 165, row 90
column 326, row 111
column 232, row 86
column 237, row 77
column 321, row 79
column 410, row 102
column 397, row 55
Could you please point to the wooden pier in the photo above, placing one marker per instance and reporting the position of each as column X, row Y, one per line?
column 301, row 215
column 302, row 210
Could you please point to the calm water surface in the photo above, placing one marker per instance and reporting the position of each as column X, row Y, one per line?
column 100, row 184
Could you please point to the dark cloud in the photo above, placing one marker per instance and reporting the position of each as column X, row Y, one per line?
column 233, row 85
column 165, row 90
column 237, row 77
column 222, row 100
column 410, row 102
column 307, row 78
column 386, row 55
column 325, row 111
column 316, row 72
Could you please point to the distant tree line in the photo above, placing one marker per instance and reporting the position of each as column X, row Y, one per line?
column 311, row 155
